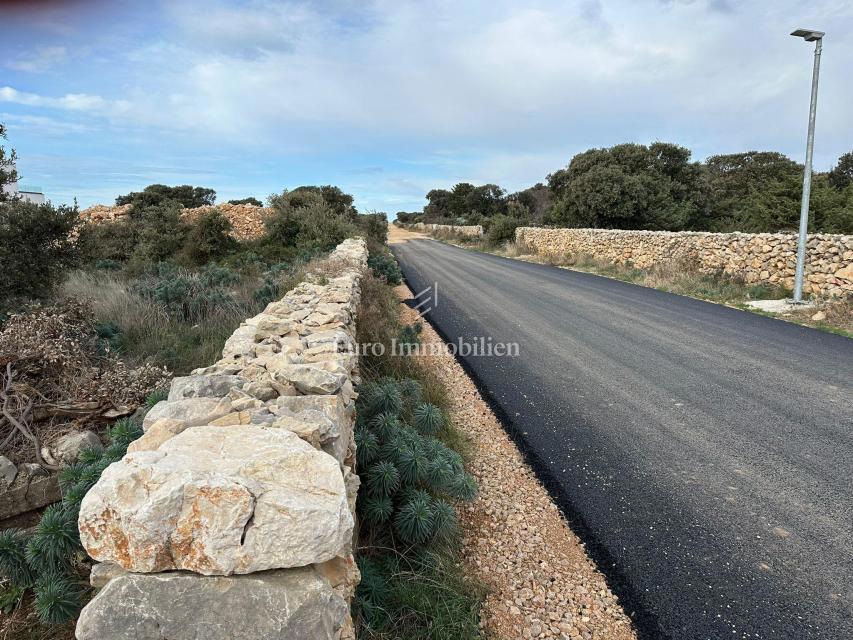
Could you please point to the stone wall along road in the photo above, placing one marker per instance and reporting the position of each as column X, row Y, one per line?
column 232, row 517
column 756, row 257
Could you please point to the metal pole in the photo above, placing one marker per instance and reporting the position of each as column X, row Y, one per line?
column 807, row 181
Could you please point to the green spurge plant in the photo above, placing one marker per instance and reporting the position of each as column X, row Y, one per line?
column 409, row 475
column 49, row 560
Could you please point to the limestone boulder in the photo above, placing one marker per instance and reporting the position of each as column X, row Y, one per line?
column 212, row 386
column 68, row 448
column 191, row 411
column 334, row 433
column 312, row 379
column 219, row 500
column 297, row 604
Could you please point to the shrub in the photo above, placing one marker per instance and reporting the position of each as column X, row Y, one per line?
column 157, row 194
column 501, row 229
column 423, row 596
column 35, row 249
column 209, row 238
column 106, row 243
column 374, row 226
column 160, row 234
column 384, row 266
column 303, row 219
column 188, row 296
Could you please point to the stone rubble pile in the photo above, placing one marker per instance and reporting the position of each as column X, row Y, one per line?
column 756, row 257
column 247, row 220
column 232, row 517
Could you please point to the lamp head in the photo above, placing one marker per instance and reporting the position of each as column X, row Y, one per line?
column 809, row 35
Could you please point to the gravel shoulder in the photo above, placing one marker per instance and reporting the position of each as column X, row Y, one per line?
column 541, row 582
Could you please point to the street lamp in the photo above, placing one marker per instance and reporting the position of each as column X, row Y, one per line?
column 808, row 35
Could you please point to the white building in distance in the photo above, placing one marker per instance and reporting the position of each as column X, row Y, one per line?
column 25, row 192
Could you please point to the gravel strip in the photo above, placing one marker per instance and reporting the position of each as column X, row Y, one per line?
column 541, row 582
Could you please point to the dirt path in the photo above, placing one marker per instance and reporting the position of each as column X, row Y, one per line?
column 397, row 235
column 541, row 582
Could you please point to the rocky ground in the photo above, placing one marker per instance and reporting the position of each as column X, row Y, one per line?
column 541, row 582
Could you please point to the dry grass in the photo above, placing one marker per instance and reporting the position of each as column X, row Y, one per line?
column 146, row 332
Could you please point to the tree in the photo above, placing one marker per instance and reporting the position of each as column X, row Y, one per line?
column 841, row 175
column 249, row 200
column 537, row 200
column 438, row 206
column 8, row 175
column 628, row 186
column 752, row 192
column 341, row 203
column 156, row 194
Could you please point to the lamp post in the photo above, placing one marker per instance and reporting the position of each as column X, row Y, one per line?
column 808, row 35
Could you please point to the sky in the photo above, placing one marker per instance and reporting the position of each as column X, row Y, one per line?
column 390, row 99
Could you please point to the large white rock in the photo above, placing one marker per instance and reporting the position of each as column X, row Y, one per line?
column 291, row 604
column 191, row 411
column 219, row 500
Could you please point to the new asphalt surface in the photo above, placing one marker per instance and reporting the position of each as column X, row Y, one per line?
column 704, row 453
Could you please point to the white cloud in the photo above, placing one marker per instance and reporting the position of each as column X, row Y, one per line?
column 70, row 101
column 40, row 59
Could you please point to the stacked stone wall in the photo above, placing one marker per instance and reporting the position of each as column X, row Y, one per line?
column 233, row 516
column 756, row 257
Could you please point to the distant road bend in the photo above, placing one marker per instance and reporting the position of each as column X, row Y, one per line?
column 706, row 452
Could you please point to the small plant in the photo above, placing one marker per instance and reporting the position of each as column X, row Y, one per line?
column 107, row 264
column 13, row 558
column 58, row 599
column 158, row 395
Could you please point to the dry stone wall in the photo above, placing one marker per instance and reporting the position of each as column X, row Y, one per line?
column 756, row 257
column 471, row 231
column 233, row 516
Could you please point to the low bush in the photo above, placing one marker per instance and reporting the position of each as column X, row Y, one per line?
column 411, row 477
column 188, row 296
column 384, row 266
column 209, row 238
column 420, row 596
column 35, row 249
column 501, row 228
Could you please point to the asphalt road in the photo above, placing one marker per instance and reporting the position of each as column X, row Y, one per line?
column 705, row 453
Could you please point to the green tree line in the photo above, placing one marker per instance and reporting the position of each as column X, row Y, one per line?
column 658, row 187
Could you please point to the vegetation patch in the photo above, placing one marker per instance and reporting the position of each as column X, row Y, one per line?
column 410, row 459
